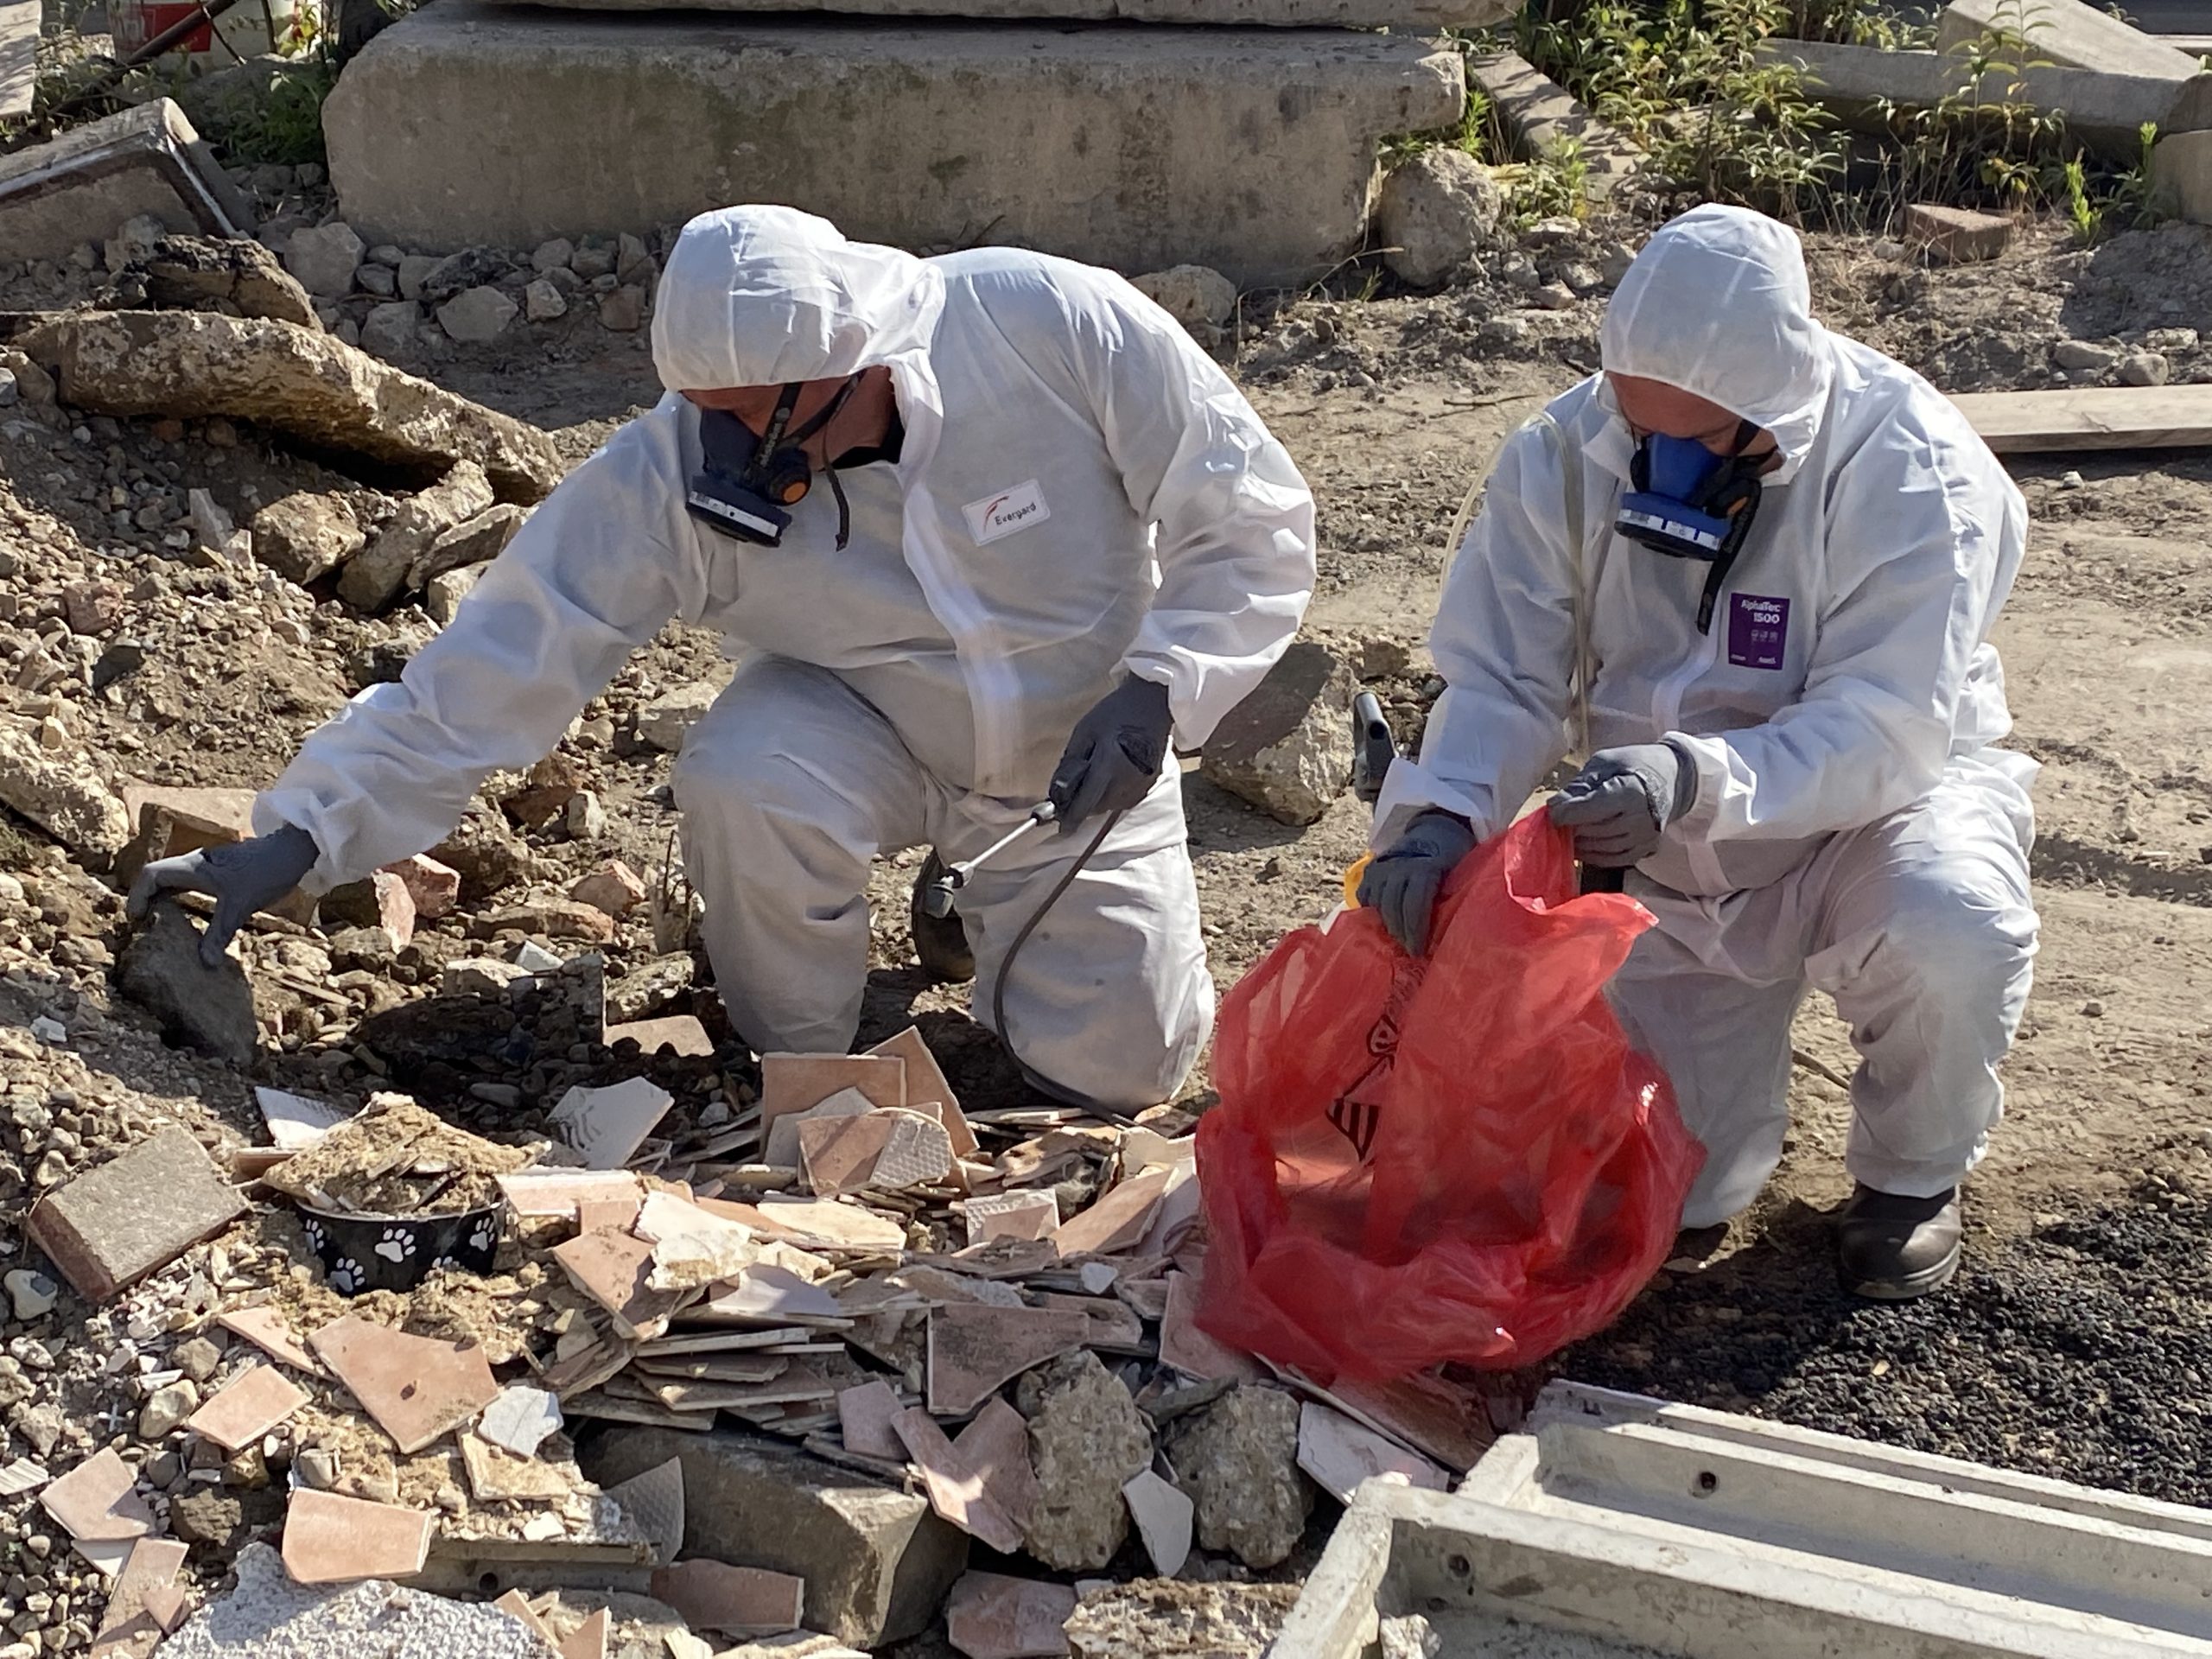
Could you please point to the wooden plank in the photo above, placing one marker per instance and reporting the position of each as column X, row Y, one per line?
column 2097, row 417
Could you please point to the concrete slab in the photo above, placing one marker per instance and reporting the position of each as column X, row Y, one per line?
column 2105, row 112
column 2065, row 32
column 1411, row 15
column 2181, row 176
column 82, row 185
column 18, row 56
column 1540, row 114
column 1249, row 150
column 1635, row 1524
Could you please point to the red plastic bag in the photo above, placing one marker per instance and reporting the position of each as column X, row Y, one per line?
column 1455, row 1159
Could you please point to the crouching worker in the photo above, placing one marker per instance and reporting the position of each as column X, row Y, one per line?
column 985, row 530
column 1786, row 552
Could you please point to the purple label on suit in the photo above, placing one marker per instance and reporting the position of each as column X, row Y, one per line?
column 1758, row 629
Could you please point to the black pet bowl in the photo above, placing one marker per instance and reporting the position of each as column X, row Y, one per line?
column 364, row 1253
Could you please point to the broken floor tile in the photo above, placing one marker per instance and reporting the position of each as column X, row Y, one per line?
column 416, row 1388
column 608, row 1125
column 997, row 1446
column 1438, row 1418
column 654, row 1502
column 557, row 1193
column 112, row 1226
column 520, row 1420
column 680, row 1033
column 920, row 1153
column 516, row 1606
column 497, row 1476
column 975, row 1350
column 95, row 1502
column 992, row 1616
column 956, row 1491
column 1117, row 1222
column 737, row 1601
column 1191, row 1350
column 839, row 1154
column 269, row 1330
column 248, row 1408
column 614, row 1269
column 815, row 1222
column 23, row 1475
column 295, row 1122
column 133, row 1623
column 1338, row 1454
column 1164, row 1517
column 926, row 1080
column 761, row 1294
column 588, row 1639
column 690, row 1246
column 334, row 1540
column 783, row 1139
column 793, row 1083
column 867, row 1415
column 1012, row 1215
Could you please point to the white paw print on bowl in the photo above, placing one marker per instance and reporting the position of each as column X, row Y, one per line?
column 315, row 1237
column 484, row 1234
column 396, row 1244
column 346, row 1276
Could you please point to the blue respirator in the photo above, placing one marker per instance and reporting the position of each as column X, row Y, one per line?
column 749, row 484
column 1689, row 503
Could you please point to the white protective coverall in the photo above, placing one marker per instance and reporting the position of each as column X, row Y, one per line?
column 1855, row 828
column 1080, row 494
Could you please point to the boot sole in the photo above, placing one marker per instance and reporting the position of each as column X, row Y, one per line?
column 1912, row 1286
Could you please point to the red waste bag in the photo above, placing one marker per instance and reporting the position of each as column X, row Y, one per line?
column 1453, row 1159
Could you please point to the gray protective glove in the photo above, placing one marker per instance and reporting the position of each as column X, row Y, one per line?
column 1402, row 882
column 1114, row 758
column 1622, row 801
column 242, row 878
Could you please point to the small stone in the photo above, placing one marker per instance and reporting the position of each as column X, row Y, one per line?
column 9, row 392
column 479, row 977
column 542, row 302
column 614, row 888
column 2084, row 354
column 477, row 316
column 634, row 261
column 1438, row 214
column 1552, row 296
column 664, row 721
column 552, row 255
column 1238, row 1459
column 134, row 243
column 2071, row 481
column 380, row 280
column 2143, row 369
column 208, row 1516
column 593, row 258
column 585, row 818
column 393, row 330
column 442, row 598
column 387, row 254
column 198, row 1358
column 1194, row 295
column 30, row 1294
column 325, row 259
column 1287, row 747
column 316, row 1467
column 209, row 1007
column 623, row 309
column 168, row 1407
column 414, row 271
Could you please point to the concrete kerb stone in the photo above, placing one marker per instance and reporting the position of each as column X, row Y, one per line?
column 146, row 161
column 1409, row 14
column 1539, row 115
column 1248, row 149
column 2065, row 32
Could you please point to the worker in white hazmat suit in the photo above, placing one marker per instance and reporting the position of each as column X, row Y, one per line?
column 1777, row 556
column 983, row 529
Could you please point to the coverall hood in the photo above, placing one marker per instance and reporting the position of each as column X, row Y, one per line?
column 1718, row 305
column 762, row 297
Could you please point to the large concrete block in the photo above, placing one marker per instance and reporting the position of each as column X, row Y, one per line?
column 80, row 187
column 2065, row 32
column 18, row 56
column 877, row 1563
column 2105, row 112
column 1251, row 150
column 2181, row 176
column 1266, row 13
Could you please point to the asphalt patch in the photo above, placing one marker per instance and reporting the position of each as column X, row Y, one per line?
column 2081, row 1352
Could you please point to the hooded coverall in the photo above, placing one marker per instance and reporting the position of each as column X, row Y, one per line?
column 1079, row 494
column 1855, row 828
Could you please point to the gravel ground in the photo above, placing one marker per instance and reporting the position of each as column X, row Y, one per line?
column 2080, row 1352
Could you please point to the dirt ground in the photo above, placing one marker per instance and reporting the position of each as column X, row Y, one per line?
column 1391, row 405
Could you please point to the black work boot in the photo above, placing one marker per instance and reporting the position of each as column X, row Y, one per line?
column 940, row 941
column 1892, row 1249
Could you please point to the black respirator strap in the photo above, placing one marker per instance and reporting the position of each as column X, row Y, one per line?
column 1733, row 492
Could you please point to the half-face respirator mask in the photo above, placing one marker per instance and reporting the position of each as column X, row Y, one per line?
column 749, row 484
column 1691, row 504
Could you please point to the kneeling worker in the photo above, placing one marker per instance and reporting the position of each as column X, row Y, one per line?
column 1052, row 538
column 1783, row 553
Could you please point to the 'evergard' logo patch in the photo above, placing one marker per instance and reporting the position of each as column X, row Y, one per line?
column 1006, row 512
